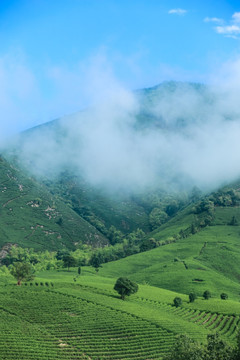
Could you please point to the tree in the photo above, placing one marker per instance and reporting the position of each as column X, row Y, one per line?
column 148, row 244
column 157, row 217
column 177, row 301
column 233, row 221
column 192, row 297
column 61, row 253
column 96, row 261
column 185, row 348
column 125, row 287
column 237, row 348
column 79, row 270
column 115, row 236
column 22, row 272
column 217, row 349
column 68, row 261
column 206, row 294
column 224, row 296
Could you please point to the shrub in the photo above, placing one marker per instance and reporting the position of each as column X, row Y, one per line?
column 206, row 294
column 192, row 297
column 224, row 296
column 177, row 301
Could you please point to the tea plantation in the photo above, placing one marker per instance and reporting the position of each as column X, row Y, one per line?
column 61, row 316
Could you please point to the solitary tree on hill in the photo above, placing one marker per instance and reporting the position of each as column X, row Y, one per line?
column 125, row 287
column 22, row 272
column 206, row 294
column 224, row 296
column 192, row 297
column 69, row 261
column 177, row 301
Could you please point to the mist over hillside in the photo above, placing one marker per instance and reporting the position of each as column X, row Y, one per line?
column 175, row 135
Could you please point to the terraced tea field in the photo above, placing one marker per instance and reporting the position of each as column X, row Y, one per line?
column 87, row 320
column 61, row 326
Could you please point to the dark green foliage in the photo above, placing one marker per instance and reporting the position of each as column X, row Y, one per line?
column 172, row 208
column 68, row 261
column 177, row 301
column 115, row 236
column 226, row 197
column 96, row 261
column 217, row 349
column 183, row 234
column 185, row 349
column 61, row 253
column 224, row 296
column 60, row 221
column 192, row 297
column 194, row 229
column 206, row 294
column 79, row 270
column 233, row 221
column 157, row 217
column 237, row 349
column 22, row 272
column 148, row 244
column 205, row 205
column 125, row 287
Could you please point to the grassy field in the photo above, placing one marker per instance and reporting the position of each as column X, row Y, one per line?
column 207, row 260
column 58, row 317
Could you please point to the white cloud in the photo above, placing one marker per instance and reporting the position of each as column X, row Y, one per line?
column 213, row 19
column 228, row 30
column 231, row 30
column 236, row 17
column 195, row 140
column 177, row 11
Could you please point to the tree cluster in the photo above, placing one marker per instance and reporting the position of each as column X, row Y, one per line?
column 215, row 349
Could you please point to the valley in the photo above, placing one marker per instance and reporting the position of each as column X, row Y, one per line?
column 77, row 236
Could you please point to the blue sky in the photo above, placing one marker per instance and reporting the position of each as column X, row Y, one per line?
column 53, row 53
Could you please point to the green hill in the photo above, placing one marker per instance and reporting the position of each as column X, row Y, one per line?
column 200, row 250
column 183, row 241
column 85, row 319
column 33, row 217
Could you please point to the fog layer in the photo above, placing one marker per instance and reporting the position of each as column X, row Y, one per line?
column 173, row 134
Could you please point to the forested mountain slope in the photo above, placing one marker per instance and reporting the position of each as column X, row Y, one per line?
column 32, row 217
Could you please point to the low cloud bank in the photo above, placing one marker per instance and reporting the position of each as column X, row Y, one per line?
column 176, row 134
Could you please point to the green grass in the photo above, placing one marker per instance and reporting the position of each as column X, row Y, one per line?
column 207, row 260
column 85, row 318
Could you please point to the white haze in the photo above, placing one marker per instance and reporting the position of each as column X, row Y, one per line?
column 198, row 142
